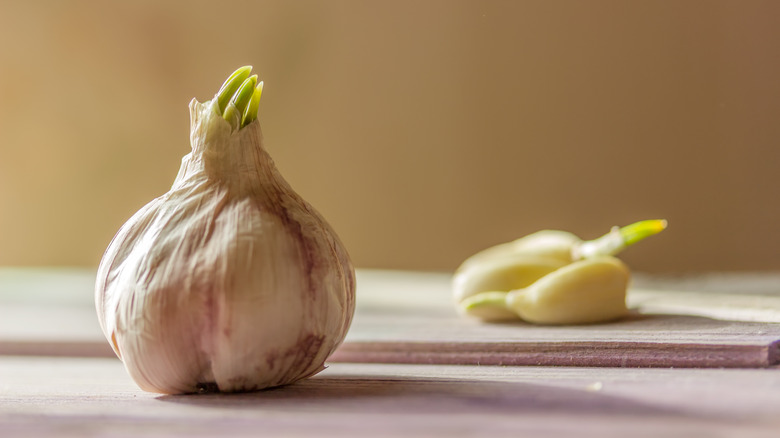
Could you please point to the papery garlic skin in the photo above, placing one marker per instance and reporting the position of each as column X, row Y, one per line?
column 228, row 282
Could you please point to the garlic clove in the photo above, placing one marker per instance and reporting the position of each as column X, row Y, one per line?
column 586, row 291
column 503, row 273
column 518, row 269
column 547, row 243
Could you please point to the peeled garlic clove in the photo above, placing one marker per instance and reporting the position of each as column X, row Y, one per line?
column 587, row 291
column 517, row 264
column 502, row 274
column 552, row 244
column 548, row 243
column 230, row 281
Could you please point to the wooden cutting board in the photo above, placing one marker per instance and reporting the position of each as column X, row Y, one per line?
column 407, row 317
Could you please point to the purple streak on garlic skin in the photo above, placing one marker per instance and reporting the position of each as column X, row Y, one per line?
column 229, row 281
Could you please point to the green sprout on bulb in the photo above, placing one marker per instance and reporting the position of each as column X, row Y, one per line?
column 238, row 99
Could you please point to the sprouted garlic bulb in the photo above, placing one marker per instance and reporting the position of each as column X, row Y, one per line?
column 230, row 281
column 550, row 277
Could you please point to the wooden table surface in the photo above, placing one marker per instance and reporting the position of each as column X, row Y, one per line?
column 56, row 378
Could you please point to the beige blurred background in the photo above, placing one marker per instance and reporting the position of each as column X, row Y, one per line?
column 423, row 130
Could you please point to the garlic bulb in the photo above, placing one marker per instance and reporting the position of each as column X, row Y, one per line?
column 550, row 277
column 230, row 281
